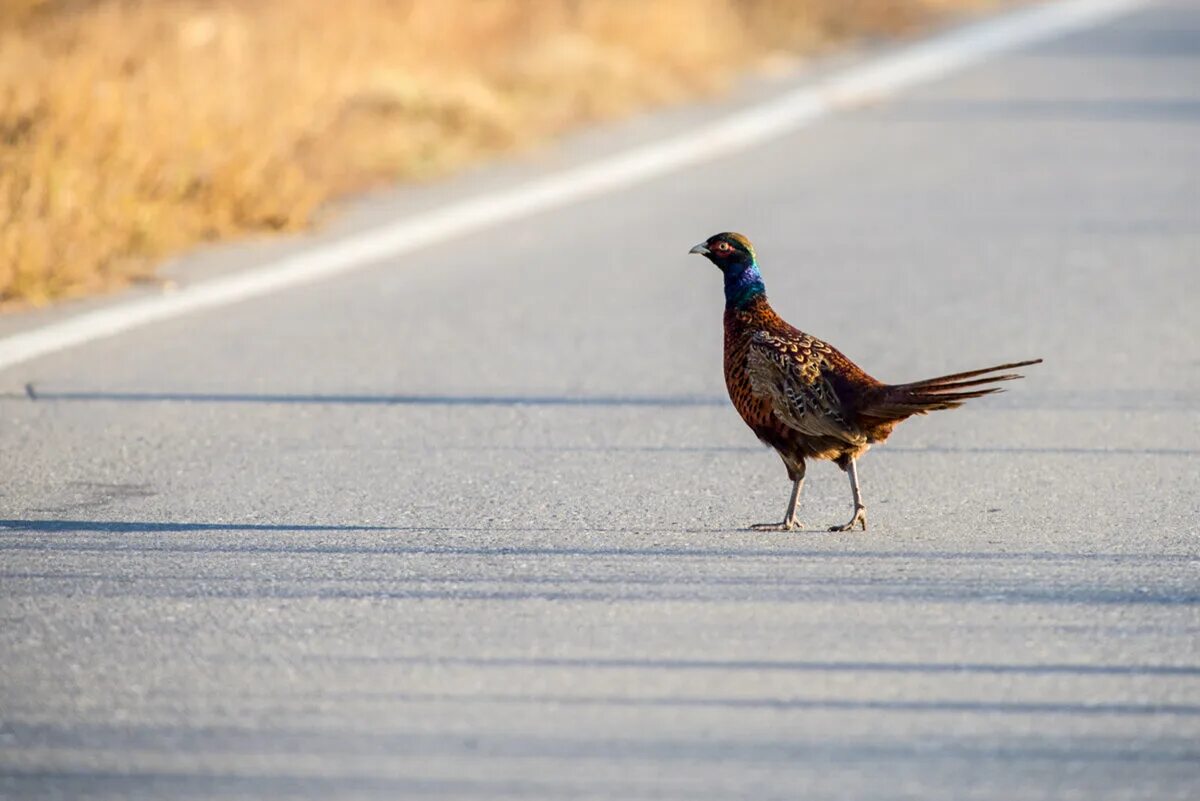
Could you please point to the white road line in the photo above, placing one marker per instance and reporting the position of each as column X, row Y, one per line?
column 920, row 63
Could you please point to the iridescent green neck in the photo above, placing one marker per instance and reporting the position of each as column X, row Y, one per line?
column 743, row 283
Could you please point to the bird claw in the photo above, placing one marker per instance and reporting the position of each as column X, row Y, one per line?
column 860, row 516
column 786, row 525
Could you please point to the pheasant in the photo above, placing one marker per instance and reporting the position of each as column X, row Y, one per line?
column 806, row 400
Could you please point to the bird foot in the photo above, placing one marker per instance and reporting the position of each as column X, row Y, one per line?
column 860, row 516
column 786, row 525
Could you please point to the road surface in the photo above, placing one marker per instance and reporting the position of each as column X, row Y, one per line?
column 470, row 523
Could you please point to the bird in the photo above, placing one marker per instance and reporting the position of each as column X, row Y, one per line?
column 805, row 399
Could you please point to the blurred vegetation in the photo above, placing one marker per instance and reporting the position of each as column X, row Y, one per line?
column 130, row 129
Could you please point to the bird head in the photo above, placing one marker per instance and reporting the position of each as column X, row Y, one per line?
column 734, row 256
column 727, row 250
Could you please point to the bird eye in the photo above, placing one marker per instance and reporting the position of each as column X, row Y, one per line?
column 723, row 247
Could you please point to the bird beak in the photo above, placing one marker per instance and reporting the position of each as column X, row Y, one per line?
column 701, row 249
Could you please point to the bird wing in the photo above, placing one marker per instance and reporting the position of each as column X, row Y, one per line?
column 793, row 373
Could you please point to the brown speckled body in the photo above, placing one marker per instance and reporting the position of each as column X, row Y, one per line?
column 820, row 362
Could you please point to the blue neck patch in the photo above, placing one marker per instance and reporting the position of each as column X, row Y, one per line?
column 742, row 285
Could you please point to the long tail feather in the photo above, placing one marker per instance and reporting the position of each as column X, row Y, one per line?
column 897, row 401
column 945, row 379
column 961, row 384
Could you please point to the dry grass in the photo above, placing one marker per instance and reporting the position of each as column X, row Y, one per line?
column 130, row 129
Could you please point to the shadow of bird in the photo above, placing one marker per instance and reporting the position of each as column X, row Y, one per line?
column 802, row 397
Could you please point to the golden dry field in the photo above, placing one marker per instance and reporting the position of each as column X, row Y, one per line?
column 131, row 129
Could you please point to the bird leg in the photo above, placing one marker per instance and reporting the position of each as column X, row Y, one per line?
column 789, row 520
column 860, row 510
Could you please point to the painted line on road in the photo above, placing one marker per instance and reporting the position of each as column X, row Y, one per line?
column 920, row 63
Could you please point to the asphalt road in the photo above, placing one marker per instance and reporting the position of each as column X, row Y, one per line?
column 470, row 524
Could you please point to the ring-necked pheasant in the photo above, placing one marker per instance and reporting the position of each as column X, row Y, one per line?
column 804, row 398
